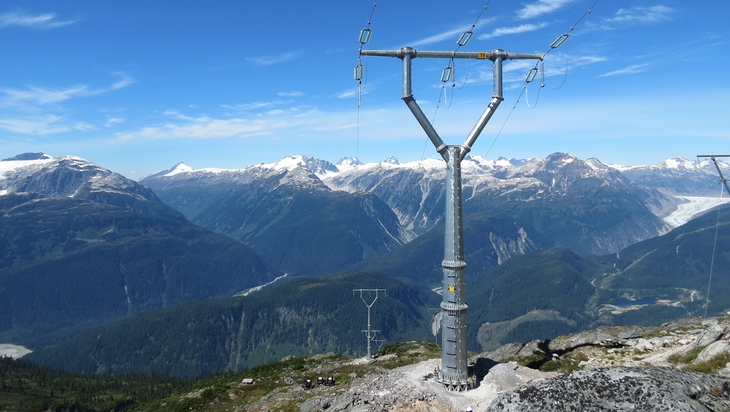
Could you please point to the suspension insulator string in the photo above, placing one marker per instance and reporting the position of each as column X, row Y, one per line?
column 363, row 39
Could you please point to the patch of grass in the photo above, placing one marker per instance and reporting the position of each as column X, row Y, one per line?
column 711, row 366
column 689, row 357
column 534, row 361
column 408, row 348
column 568, row 363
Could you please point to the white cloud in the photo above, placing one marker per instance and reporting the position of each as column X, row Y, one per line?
column 125, row 81
column 83, row 126
column 114, row 120
column 269, row 60
column 512, row 30
column 44, row 95
column 642, row 14
column 201, row 128
column 541, row 7
column 254, row 105
column 295, row 120
column 453, row 35
column 637, row 68
column 40, row 95
column 40, row 21
column 555, row 64
column 291, row 94
column 34, row 126
column 346, row 94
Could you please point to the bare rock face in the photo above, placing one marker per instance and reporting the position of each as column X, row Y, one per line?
column 620, row 389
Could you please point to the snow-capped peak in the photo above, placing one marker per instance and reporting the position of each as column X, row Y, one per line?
column 178, row 168
column 349, row 161
column 677, row 163
column 291, row 163
column 287, row 163
column 392, row 160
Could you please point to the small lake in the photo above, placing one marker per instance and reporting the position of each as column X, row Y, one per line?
column 624, row 303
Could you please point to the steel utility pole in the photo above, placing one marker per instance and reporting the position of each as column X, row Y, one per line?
column 454, row 373
column 370, row 333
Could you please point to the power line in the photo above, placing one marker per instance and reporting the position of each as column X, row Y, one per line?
column 540, row 67
column 449, row 72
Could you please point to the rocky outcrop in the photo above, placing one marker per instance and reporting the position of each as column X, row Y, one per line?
column 620, row 389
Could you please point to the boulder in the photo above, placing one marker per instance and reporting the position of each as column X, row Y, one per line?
column 630, row 334
column 714, row 349
column 713, row 332
column 586, row 338
column 516, row 350
column 620, row 389
column 506, row 376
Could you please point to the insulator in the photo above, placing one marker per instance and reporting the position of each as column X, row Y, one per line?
column 365, row 35
column 542, row 72
column 358, row 72
column 465, row 37
column 531, row 75
column 559, row 41
column 446, row 74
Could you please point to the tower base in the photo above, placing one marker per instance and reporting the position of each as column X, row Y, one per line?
column 455, row 385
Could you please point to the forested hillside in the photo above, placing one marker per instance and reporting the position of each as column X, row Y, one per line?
column 67, row 265
column 304, row 316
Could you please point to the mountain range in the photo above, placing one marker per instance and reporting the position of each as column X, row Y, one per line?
column 549, row 242
column 586, row 205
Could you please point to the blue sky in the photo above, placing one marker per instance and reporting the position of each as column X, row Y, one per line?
column 137, row 86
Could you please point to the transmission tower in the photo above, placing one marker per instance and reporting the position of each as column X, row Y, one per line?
column 369, row 332
column 454, row 373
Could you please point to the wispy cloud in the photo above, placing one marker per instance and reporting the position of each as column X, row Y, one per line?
column 346, row 94
column 38, row 21
column 42, row 125
column 502, row 31
column 45, row 95
column 254, row 105
column 275, row 59
column 40, row 95
column 201, row 128
column 633, row 16
column 84, row 127
column 291, row 94
column 447, row 35
column 271, row 122
column 642, row 14
column 637, row 68
column 436, row 38
column 555, row 65
column 541, row 7
column 113, row 121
